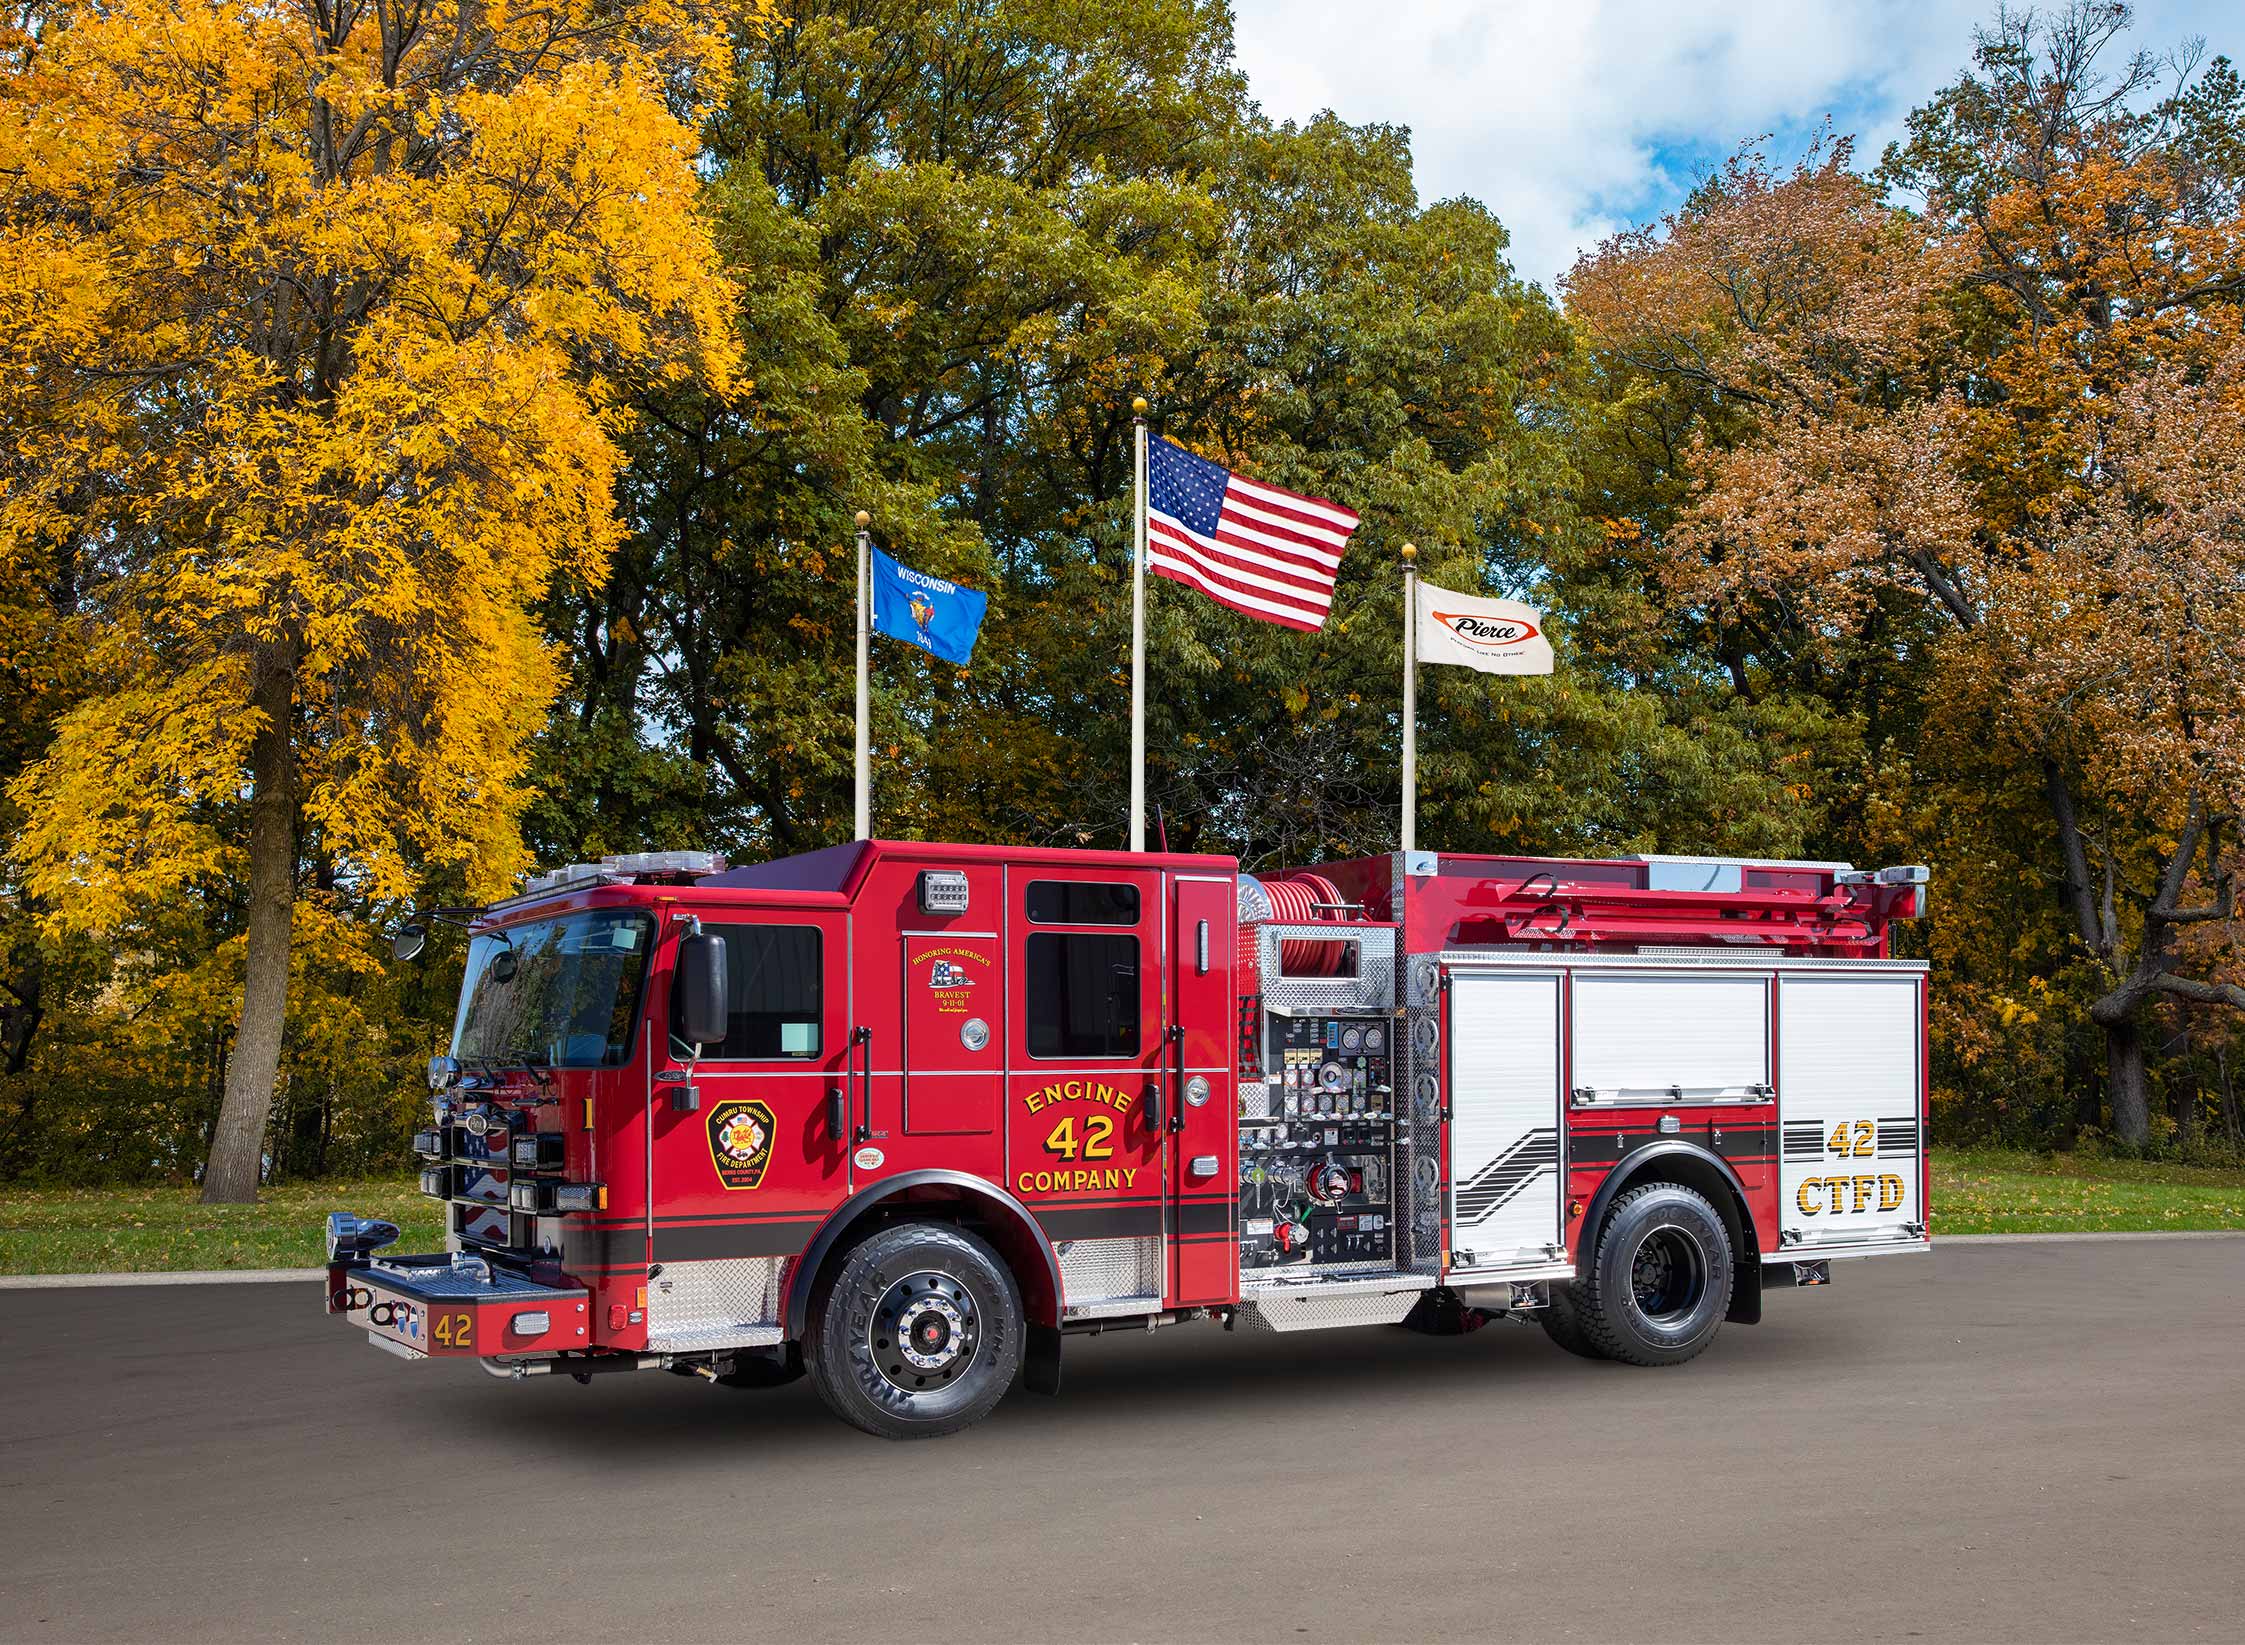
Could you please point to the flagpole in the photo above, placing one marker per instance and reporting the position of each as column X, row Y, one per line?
column 864, row 713
column 1138, row 633
column 1410, row 698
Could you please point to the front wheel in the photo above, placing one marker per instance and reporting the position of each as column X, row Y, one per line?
column 1656, row 1288
column 918, row 1334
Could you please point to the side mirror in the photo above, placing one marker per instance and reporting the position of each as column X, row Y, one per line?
column 699, row 985
column 412, row 937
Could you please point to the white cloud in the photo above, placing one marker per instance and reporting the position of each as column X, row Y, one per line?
column 1570, row 118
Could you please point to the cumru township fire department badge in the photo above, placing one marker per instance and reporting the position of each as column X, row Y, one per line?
column 740, row 1142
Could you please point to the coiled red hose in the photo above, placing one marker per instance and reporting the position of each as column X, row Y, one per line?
column 1305, row 898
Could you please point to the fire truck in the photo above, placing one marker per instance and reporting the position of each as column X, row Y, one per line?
column 907, row 1118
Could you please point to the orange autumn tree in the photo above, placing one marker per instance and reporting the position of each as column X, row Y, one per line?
column 2008, row 420
column 318, row 322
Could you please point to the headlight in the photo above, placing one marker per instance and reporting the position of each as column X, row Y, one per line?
column 436, row 1182
column 354, row 1236
column 429, row 1144
column 539, row 1151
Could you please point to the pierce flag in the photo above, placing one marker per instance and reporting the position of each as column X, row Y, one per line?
column 1494, row 636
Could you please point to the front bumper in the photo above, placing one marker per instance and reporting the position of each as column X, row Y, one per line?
column 423, row 1306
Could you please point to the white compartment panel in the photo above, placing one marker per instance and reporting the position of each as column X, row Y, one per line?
column 1504, row 1117
column 1847, row 1105
column 1638, row 1035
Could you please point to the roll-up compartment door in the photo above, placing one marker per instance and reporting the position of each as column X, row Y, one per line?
column 1847, row 1103
column 1671, row 1036
column 1504, row 1118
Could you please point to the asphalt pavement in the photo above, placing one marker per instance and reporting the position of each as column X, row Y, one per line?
column 2004, row 1442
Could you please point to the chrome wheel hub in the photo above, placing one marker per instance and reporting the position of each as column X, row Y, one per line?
column 923, row 1333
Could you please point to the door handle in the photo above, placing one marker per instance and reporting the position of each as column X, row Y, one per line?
column 1154, row 1116
column 837, row 1112
column 1173, row 1060
column 864, row 1037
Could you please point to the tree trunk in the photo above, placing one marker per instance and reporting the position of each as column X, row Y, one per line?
column 2124, row 1082
column 237, row 1145
column 2229, row 1097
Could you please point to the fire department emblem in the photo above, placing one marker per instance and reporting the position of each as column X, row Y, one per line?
column 740, row 1142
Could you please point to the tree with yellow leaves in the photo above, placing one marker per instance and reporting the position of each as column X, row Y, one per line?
column 317, row 325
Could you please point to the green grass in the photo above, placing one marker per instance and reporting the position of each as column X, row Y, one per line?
column 147, row 1230
column 1996, row 1191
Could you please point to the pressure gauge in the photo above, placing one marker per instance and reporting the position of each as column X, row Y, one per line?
column 1375, row 1039
column 1352, row 1039
column 1333, row 1077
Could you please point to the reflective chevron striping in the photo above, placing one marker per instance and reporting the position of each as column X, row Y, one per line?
column 1501, row 1180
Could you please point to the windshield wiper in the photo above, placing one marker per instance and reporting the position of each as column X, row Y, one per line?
column 528, row 1061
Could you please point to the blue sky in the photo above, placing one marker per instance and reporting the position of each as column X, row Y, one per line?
column 1573, row 118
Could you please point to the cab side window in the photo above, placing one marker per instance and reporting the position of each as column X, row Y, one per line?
column 775, row 993
column 1081, row 994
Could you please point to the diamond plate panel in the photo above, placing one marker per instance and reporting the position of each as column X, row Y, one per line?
column 1094, row 1272
column 1418, row 1191
column 1311, row 1312
column 1371, row 989
column 723, row 1303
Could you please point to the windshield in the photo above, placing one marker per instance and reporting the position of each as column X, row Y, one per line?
column 559, row 992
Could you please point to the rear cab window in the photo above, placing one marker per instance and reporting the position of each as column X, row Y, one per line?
column 1081, row 989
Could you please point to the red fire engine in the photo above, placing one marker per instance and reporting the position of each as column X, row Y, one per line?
column 906, row 1117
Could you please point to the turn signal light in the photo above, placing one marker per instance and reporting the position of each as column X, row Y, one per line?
column 555, row 1198
column 434, row 1182
column 429, row 1144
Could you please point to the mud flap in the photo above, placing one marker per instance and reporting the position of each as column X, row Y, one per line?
column 1746, row 1292
column 1040, row 1366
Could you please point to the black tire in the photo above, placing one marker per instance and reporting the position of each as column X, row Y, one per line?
column 1658, row 1282
column 918, row 1333
column 1562, row 1323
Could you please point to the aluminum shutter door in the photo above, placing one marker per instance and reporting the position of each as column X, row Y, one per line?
column 1847, row 1102
column 1671, row 1036
column 1504, row 1118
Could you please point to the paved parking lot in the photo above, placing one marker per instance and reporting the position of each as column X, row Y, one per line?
column 2008, row 1442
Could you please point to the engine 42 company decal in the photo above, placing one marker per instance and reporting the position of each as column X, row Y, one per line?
column 740, row 1142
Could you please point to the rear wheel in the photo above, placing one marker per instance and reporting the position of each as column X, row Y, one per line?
column 1562, row 1323
column 918, row 1334
column 1656, row 1287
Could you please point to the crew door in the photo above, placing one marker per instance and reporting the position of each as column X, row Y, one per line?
column 1204, row 1136
column 743, row 1166
column 1091, row 1078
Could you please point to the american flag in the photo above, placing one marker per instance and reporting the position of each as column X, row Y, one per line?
column 1269, row 553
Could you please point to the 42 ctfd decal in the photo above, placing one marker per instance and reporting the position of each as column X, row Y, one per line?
column 740, row 1142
